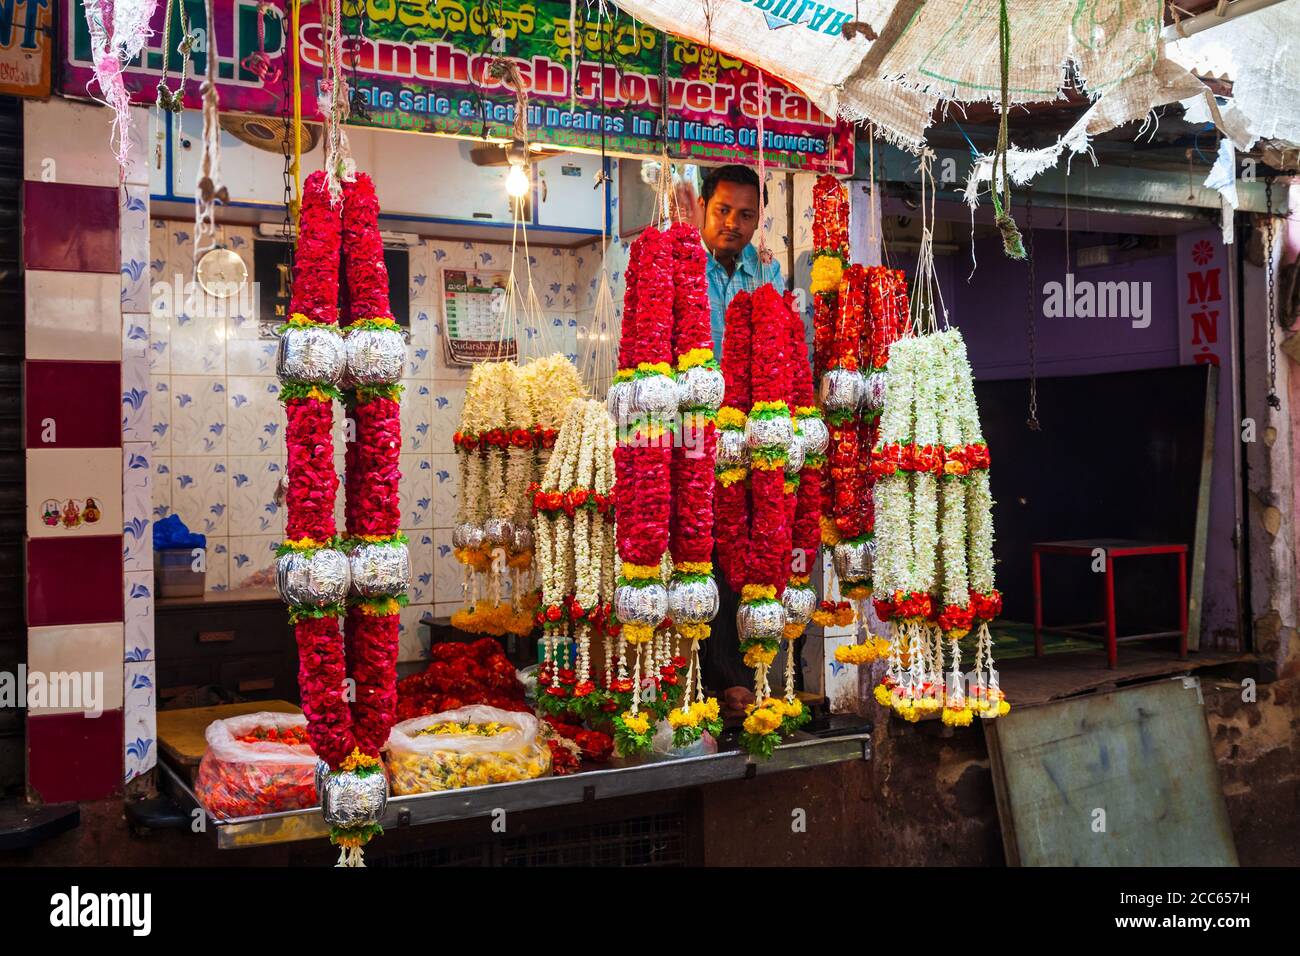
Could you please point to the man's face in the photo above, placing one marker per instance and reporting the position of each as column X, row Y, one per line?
column 730, row 218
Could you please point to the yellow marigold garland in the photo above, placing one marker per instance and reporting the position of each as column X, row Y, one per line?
column 826, row 274
column 641, row 572
column 729, row 476
column 731, row 417
column 693, row 357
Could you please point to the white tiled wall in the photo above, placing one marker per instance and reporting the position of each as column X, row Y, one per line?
column 217, row 425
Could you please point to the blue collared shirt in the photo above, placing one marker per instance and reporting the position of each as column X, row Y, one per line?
column 748, row 276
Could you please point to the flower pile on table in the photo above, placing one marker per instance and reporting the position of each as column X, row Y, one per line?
column 468, row 747
column 460, row 674
column 255, row 764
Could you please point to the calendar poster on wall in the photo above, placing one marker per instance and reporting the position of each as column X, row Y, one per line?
column 473, row 308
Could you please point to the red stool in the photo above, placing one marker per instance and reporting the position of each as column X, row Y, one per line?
column 1111, row 549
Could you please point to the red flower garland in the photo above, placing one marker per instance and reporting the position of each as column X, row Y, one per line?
column 692, row 474
column 312, row 483
column 369, row 651
column 756, row 551
column 847, row 515
column 830, row 214
column 662, row 488
column 731, row 499
column 364, row 250
column 373, row 512
column 890, row 319
column 642, row 460
column 371, row 505
column 806, row 524
column 830, row 238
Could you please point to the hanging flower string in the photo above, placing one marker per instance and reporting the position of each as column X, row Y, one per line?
column 805, row 471
column 573, row 518
column 642, row 397
column 831, row 253
column 665, row 398
column 934, row 572
column 378, row 558
column 509, row 424
column 369, row 569
column 692, row 593
column 753, row 525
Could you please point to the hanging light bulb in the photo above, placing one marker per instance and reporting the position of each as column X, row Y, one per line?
column 517, row 182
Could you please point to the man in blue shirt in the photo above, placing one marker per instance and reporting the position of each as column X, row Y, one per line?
column 729, row 198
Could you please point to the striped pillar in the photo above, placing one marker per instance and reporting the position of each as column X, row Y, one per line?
column 90, row 727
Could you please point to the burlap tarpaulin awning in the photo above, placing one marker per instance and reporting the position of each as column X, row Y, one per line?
column 927, row 52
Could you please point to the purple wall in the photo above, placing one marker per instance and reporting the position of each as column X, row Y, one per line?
column 990, row 310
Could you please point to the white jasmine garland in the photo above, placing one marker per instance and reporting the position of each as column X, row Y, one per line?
column 953, row 541
column 520, row 462
column 929, row 374
column 952, row 426
column 896, row 418
column 963, row 394
column 925, row 485
column 544, row 531
column 979, row 512
column 550, row 529
column 954, row 582
column 893, row 547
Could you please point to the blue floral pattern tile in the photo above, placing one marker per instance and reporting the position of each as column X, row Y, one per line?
column 138, row 603
column 140, row 722
column 137, row 506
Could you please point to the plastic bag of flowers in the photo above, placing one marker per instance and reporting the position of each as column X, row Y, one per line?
column 663, row 743
column 257, row 763
column 466, row 747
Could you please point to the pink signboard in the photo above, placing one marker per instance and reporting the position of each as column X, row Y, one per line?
column 422, row 65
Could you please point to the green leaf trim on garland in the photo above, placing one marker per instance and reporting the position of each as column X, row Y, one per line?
column 296, row 390
column 300, row 612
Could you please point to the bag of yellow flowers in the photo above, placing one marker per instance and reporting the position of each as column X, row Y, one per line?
column 466, row 747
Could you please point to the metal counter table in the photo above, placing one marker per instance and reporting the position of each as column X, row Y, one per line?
column 650, row 775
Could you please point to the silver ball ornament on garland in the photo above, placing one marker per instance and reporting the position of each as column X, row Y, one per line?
column 310, row 353
column 694, row 601
column 312, row 578
column 374, row 356
column 380, row 570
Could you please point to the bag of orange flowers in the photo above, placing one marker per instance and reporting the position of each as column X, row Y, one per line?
column 257, row 763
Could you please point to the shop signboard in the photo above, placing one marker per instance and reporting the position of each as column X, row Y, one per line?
column 423, row 65
column 25, row 47
column 1206, row 334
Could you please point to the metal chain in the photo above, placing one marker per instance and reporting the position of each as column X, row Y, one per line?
column 1273, row 400
column 1031, row 313
column 357, row 107
column 286, row 110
